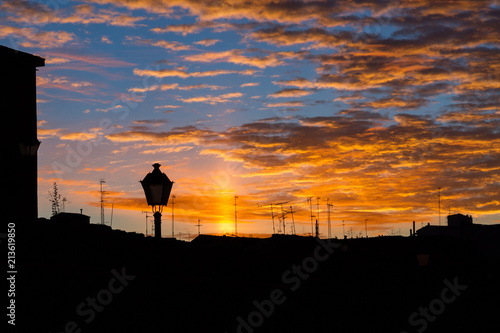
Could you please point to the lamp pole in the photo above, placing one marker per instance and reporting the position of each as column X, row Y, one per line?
column 157, row 216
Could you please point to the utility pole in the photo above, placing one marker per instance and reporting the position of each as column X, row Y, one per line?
column 235, row 218
column 317, row 208
column 198, row 225
column 328, row 205
column 439, row 204
column 293, row 221
column 311, row 210
column 283, row 217
column 102, row 181
column 366, row 229
column 343, row 228
column 147, row 216
column 173, row 197
column 272, row 214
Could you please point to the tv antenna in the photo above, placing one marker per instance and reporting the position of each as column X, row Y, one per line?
column 101, row 182
column 235, row 218
column 198, row 225
column 328, row 205
column 173, row 197
column 439, row 204
column 64, row 200
column 317, row 207
column 147, row 216
column 282, row 214
column 293, row 221
column 272, row 214
column 311, row 210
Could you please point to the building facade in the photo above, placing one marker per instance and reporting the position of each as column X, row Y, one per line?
column 19, row 133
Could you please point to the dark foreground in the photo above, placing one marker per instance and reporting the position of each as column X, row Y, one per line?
column 92, row 279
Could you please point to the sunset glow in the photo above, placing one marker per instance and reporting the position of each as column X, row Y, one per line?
column 373, row 105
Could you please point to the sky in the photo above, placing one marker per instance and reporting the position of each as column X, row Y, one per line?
column 370, row 108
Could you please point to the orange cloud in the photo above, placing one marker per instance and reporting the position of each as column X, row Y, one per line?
column 236, row 57
column 285, row 104
column 290, row 93
column 211, row 99
column 33, row 38
column 183, row 74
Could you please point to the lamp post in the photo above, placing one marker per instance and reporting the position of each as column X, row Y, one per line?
column 157, row 187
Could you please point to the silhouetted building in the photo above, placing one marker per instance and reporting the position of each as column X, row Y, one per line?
column 71, row 219
column 459, row 221
column 485, row 237
column 19, row 133
column 459, row 226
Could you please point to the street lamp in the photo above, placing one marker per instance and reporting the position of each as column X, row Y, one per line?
column 157, row 189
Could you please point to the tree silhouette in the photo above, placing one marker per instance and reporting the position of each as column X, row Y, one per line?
column 54, row 198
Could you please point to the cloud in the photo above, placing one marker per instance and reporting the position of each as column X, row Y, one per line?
column 56, row 60
column 317, row 37
column 285, row 104
column 207, row 42
column 211, row 99
column 166, row 150
column 236, row 57
column 169, row 45
column 34, row 38
column 183, row 74
column 64, row 83
column 178, row 135
column 106, row 40
column 175, row 86
column 167, row 106
column 290, row 93
column 36, row 14
column 154, row 122
column 299, row 82
column 95, row 60
column 250, row 84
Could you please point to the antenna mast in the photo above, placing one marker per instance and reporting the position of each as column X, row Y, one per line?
column 272, row 214
column 198, row 225
column 173, row 197
column 311, row 210
column 317, row 207
column 102, row 181
column 293, row 221
column 439, row 204
column 147, row 216
column 235, row 218
column 329, row 222
column 111, row 223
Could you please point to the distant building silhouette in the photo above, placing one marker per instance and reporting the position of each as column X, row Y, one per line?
column 19, row 133
column 71, row 219
column 485, row 237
